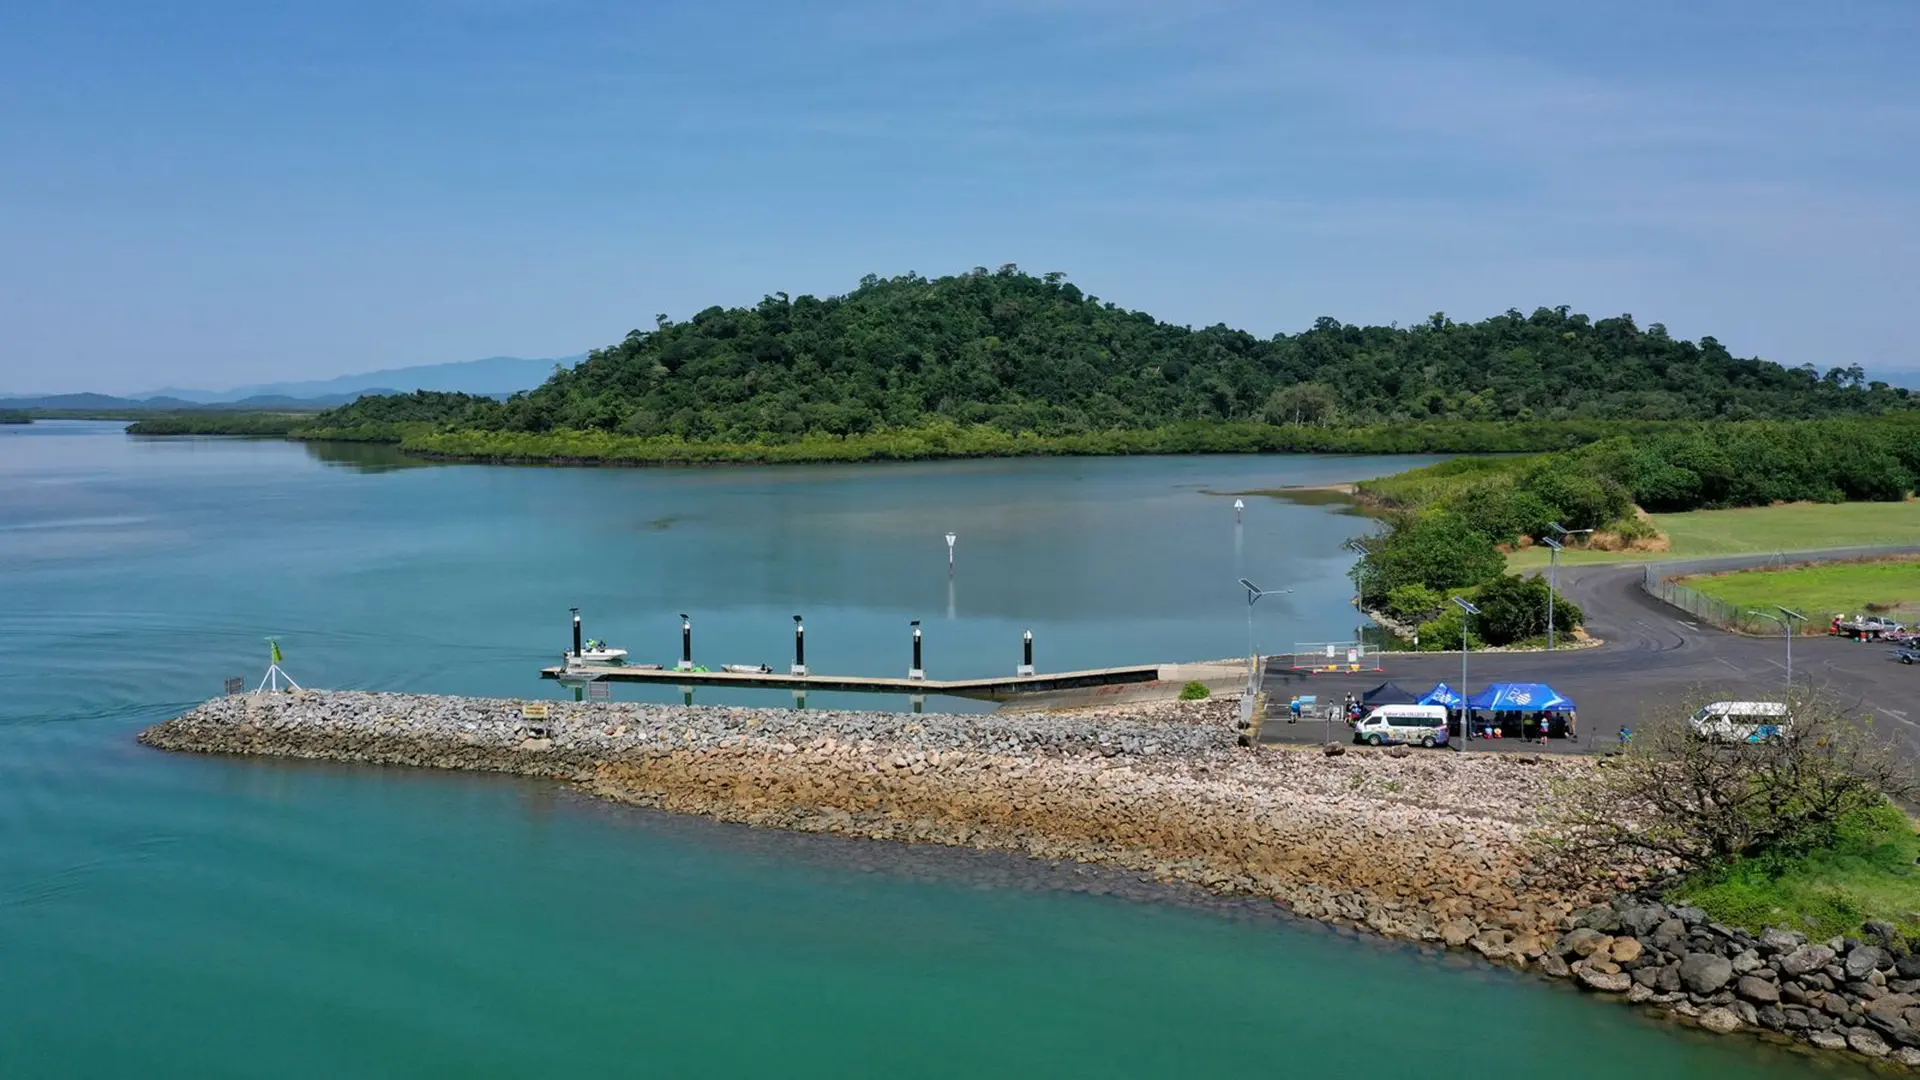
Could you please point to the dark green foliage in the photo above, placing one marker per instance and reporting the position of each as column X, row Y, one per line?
column 419, row 407
column 1414, row 603
column 1514, row 608
column 1438, row 550
column 1020, row 353
column 219, row 423
column 14, row 416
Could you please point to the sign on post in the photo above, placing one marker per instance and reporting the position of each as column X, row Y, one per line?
column 599, row 691
column 235, row 685
column 534, row 710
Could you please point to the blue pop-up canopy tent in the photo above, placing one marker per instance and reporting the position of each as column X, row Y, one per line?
column 1521, row 697
column 1441, row 694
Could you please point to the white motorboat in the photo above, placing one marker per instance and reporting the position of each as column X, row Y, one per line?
column 599, row 652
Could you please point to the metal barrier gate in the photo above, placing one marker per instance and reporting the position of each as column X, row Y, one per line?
column 1330, row 656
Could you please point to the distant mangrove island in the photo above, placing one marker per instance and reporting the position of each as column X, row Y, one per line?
column 999, row 363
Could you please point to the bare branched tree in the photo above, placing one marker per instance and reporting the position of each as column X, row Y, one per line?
column 1676, row 800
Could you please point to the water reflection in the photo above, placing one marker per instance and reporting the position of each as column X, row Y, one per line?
column 366, row 457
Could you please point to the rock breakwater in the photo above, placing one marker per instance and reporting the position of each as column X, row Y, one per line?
column 1422, row 846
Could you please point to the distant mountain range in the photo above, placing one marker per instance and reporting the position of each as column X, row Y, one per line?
column 497, row 376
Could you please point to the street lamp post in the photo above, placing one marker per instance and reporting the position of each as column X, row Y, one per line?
column 1785, row 619
column 1467, row 611
column 1553, row 576
column 1254, row 593
column 1554, row 547
column 1354, row 545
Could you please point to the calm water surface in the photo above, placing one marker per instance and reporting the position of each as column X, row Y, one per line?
column 172, row 916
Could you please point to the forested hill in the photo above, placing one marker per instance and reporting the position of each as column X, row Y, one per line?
column 1025, row 353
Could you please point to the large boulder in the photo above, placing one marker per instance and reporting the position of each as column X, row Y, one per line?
column 1604, row 919
column 1776, row 940
column 1908, row 966
column 1669, row 934
column 1704, row 973
column 1757, row 990
column 1609, row 982
column 1806, row 958
column 1884, row 934
column 1625, row 950
column 1580, row 942
column 1722, row 1020
column 1864, row 960
column 1692, row 916
column 1864, row 1041
column 1457, row 932
column 1746, row 960
column 1642, row 920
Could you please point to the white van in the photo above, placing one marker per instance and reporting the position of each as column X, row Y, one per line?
column 1742, row 722
column 1423, row 724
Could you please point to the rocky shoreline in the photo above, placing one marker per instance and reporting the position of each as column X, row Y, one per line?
column 1418, row 846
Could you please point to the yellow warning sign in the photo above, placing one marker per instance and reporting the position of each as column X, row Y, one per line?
column 536, row 710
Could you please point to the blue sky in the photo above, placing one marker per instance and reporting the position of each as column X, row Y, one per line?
column 211, row 193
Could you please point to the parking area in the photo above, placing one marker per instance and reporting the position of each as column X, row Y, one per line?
column 1655, row 663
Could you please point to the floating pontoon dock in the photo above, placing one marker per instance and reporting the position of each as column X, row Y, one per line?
column 992, row 689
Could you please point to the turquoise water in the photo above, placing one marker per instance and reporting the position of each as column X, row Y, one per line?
column 175, row 916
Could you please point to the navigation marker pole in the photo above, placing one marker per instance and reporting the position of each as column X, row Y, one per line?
column 799, row 651
column 950, row 539
column 916, row 671
column 271, row 680
column 576, row 634
column 1026, row 654
column 1238, row 508
column 686, row 649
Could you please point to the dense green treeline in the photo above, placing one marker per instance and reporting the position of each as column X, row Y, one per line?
column 15, row 416
column 1021, row 353
column 981, row 440
column 1445, row 521
column 220, row 423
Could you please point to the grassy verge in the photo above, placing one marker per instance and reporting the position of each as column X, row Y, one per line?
column 1757, row 529
column 1866, row 872
column 1882, row 586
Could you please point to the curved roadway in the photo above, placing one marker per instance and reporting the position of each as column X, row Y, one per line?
column 1656, row 660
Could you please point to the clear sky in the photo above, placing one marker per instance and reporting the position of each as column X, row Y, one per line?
column 213, row 192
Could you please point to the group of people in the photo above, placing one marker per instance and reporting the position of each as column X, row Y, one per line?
column 1353, row 709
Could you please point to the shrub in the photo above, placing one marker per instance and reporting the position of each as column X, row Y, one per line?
column 1438, row 550
column 1693, row 805
column 1414, row 603
column 1514, row 608
column 1195, row 691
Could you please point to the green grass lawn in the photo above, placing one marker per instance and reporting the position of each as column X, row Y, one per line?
column 1844, row 588
column 1792, row 527
column 1868, row 872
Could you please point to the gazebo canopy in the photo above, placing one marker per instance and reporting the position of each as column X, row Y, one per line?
column 1441, row 694
column 1388, row 693
column 1521, row 697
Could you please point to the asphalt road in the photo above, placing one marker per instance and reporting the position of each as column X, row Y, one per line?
column 1656, row 662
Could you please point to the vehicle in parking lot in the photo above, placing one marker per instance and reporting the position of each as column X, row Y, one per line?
column 1742, row 722
column 1423, row 725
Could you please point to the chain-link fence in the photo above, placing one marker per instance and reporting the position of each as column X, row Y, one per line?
column 1663, row 582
